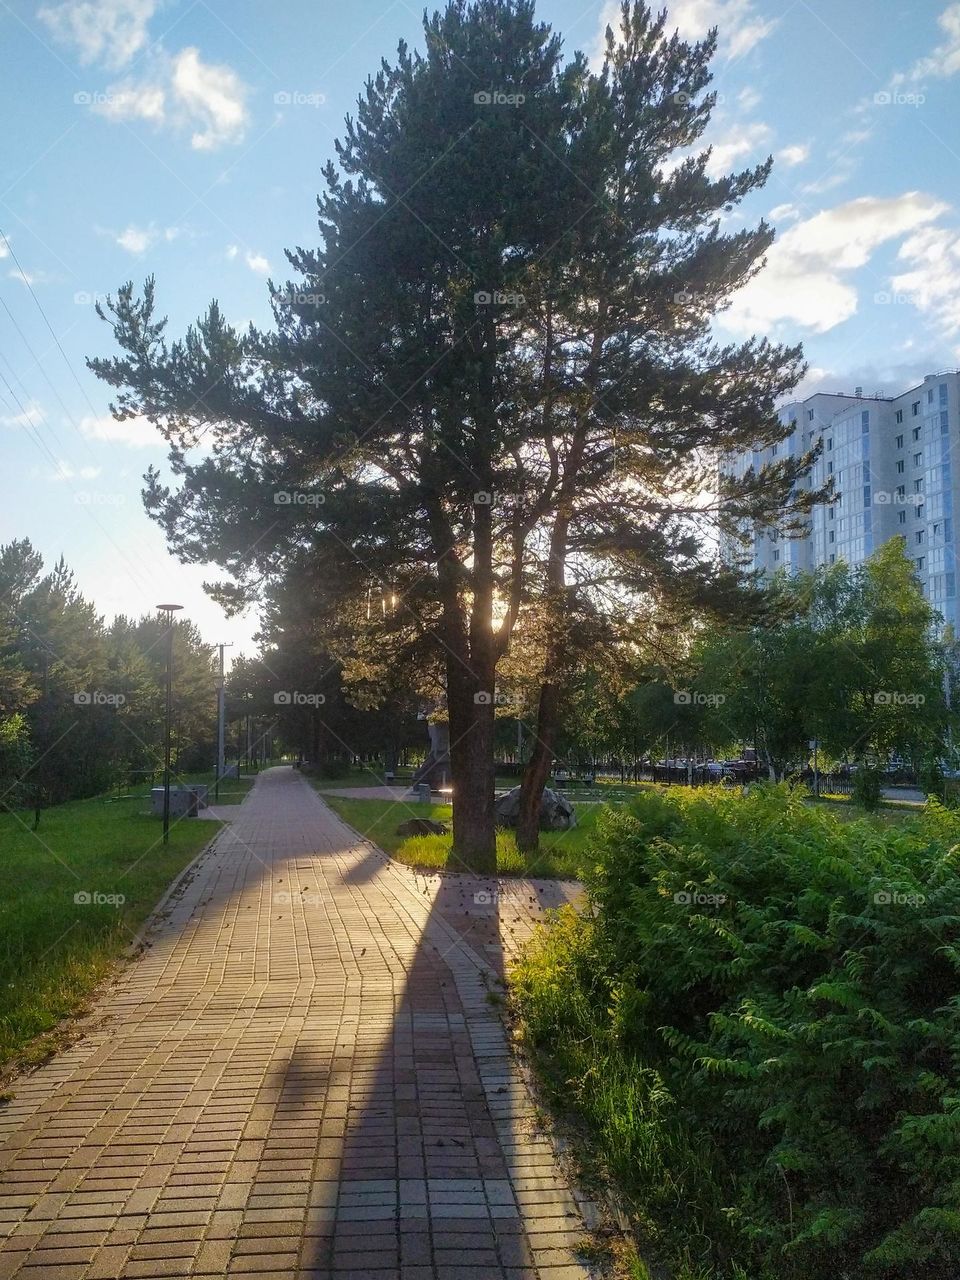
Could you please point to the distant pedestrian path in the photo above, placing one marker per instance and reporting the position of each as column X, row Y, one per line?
column 301, row 1076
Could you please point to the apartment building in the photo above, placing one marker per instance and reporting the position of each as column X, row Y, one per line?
column 895, row 465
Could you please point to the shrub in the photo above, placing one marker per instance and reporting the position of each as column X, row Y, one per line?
column 759, row 1018
column 867, row 789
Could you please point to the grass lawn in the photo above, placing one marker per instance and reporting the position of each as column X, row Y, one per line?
column 232, row 790
column 562, row 855
column 54, row 950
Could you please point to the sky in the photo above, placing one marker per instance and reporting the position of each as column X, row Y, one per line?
column 186, row 139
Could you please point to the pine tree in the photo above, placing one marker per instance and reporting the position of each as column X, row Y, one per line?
column 495, row 370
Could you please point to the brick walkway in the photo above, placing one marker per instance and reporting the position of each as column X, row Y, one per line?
column 302, row 1076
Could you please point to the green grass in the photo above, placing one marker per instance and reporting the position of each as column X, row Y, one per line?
column 563, row 854
column 232, row 790
column 53, row 950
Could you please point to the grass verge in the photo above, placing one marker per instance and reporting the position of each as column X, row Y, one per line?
column 563, row 854
column 54, row 949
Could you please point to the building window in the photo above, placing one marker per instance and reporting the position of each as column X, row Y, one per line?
column 944, row 425
column 901, row 491
column 899, row 415
column 918, row 511
column 902, row 517
column 830, row 443
column 833, row 558
column 809, row 415
column 832, row 512
column 865, row 420
column 917, row 459
column 919, row 563
column 943, row 393
column 918, row 537
column 830, row 468
column 832, row 536
column 915, row 407
column 899, row 442
column 930, row 395
column 916, row 433
column 918, row 485
column 900, row 465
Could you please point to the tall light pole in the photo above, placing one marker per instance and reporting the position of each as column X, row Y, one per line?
column 167, row 611
column 221, row 727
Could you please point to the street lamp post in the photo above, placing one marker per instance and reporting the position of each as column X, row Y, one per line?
column 221, row 716
column 167, row 611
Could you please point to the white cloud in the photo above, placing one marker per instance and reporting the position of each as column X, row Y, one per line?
column 784, row 213
column 748, row 99
column 131, row 101
column 740, row 26
column 213, row 97
column 804, row 281
column 31, row 416
column 65, row 471
column 258, row 263
column 137, row 240
column 739, row 141
column 4, row 251
column 944, row 60
column 794, row 155
column 255, row 261
column 931, row 280
column 107, row 31
column 23, row 276
column 135, row 432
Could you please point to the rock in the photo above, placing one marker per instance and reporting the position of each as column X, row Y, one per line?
column 422, row 827
column 556, row 811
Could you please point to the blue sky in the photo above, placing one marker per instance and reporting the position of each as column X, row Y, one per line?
column 186, row 139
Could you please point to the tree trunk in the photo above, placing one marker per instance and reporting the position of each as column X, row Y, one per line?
column 472, row 768
column 538, row 769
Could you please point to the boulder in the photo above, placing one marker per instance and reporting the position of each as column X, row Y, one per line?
column 556, row 811
column 422, row 827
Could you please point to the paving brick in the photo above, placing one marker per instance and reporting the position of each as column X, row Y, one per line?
column 301, row 1076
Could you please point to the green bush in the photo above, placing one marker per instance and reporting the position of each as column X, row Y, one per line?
column 867, row 789
column 759, row 1018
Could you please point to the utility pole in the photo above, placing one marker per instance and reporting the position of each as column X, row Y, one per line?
column 221, row 725
column 168, row 610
